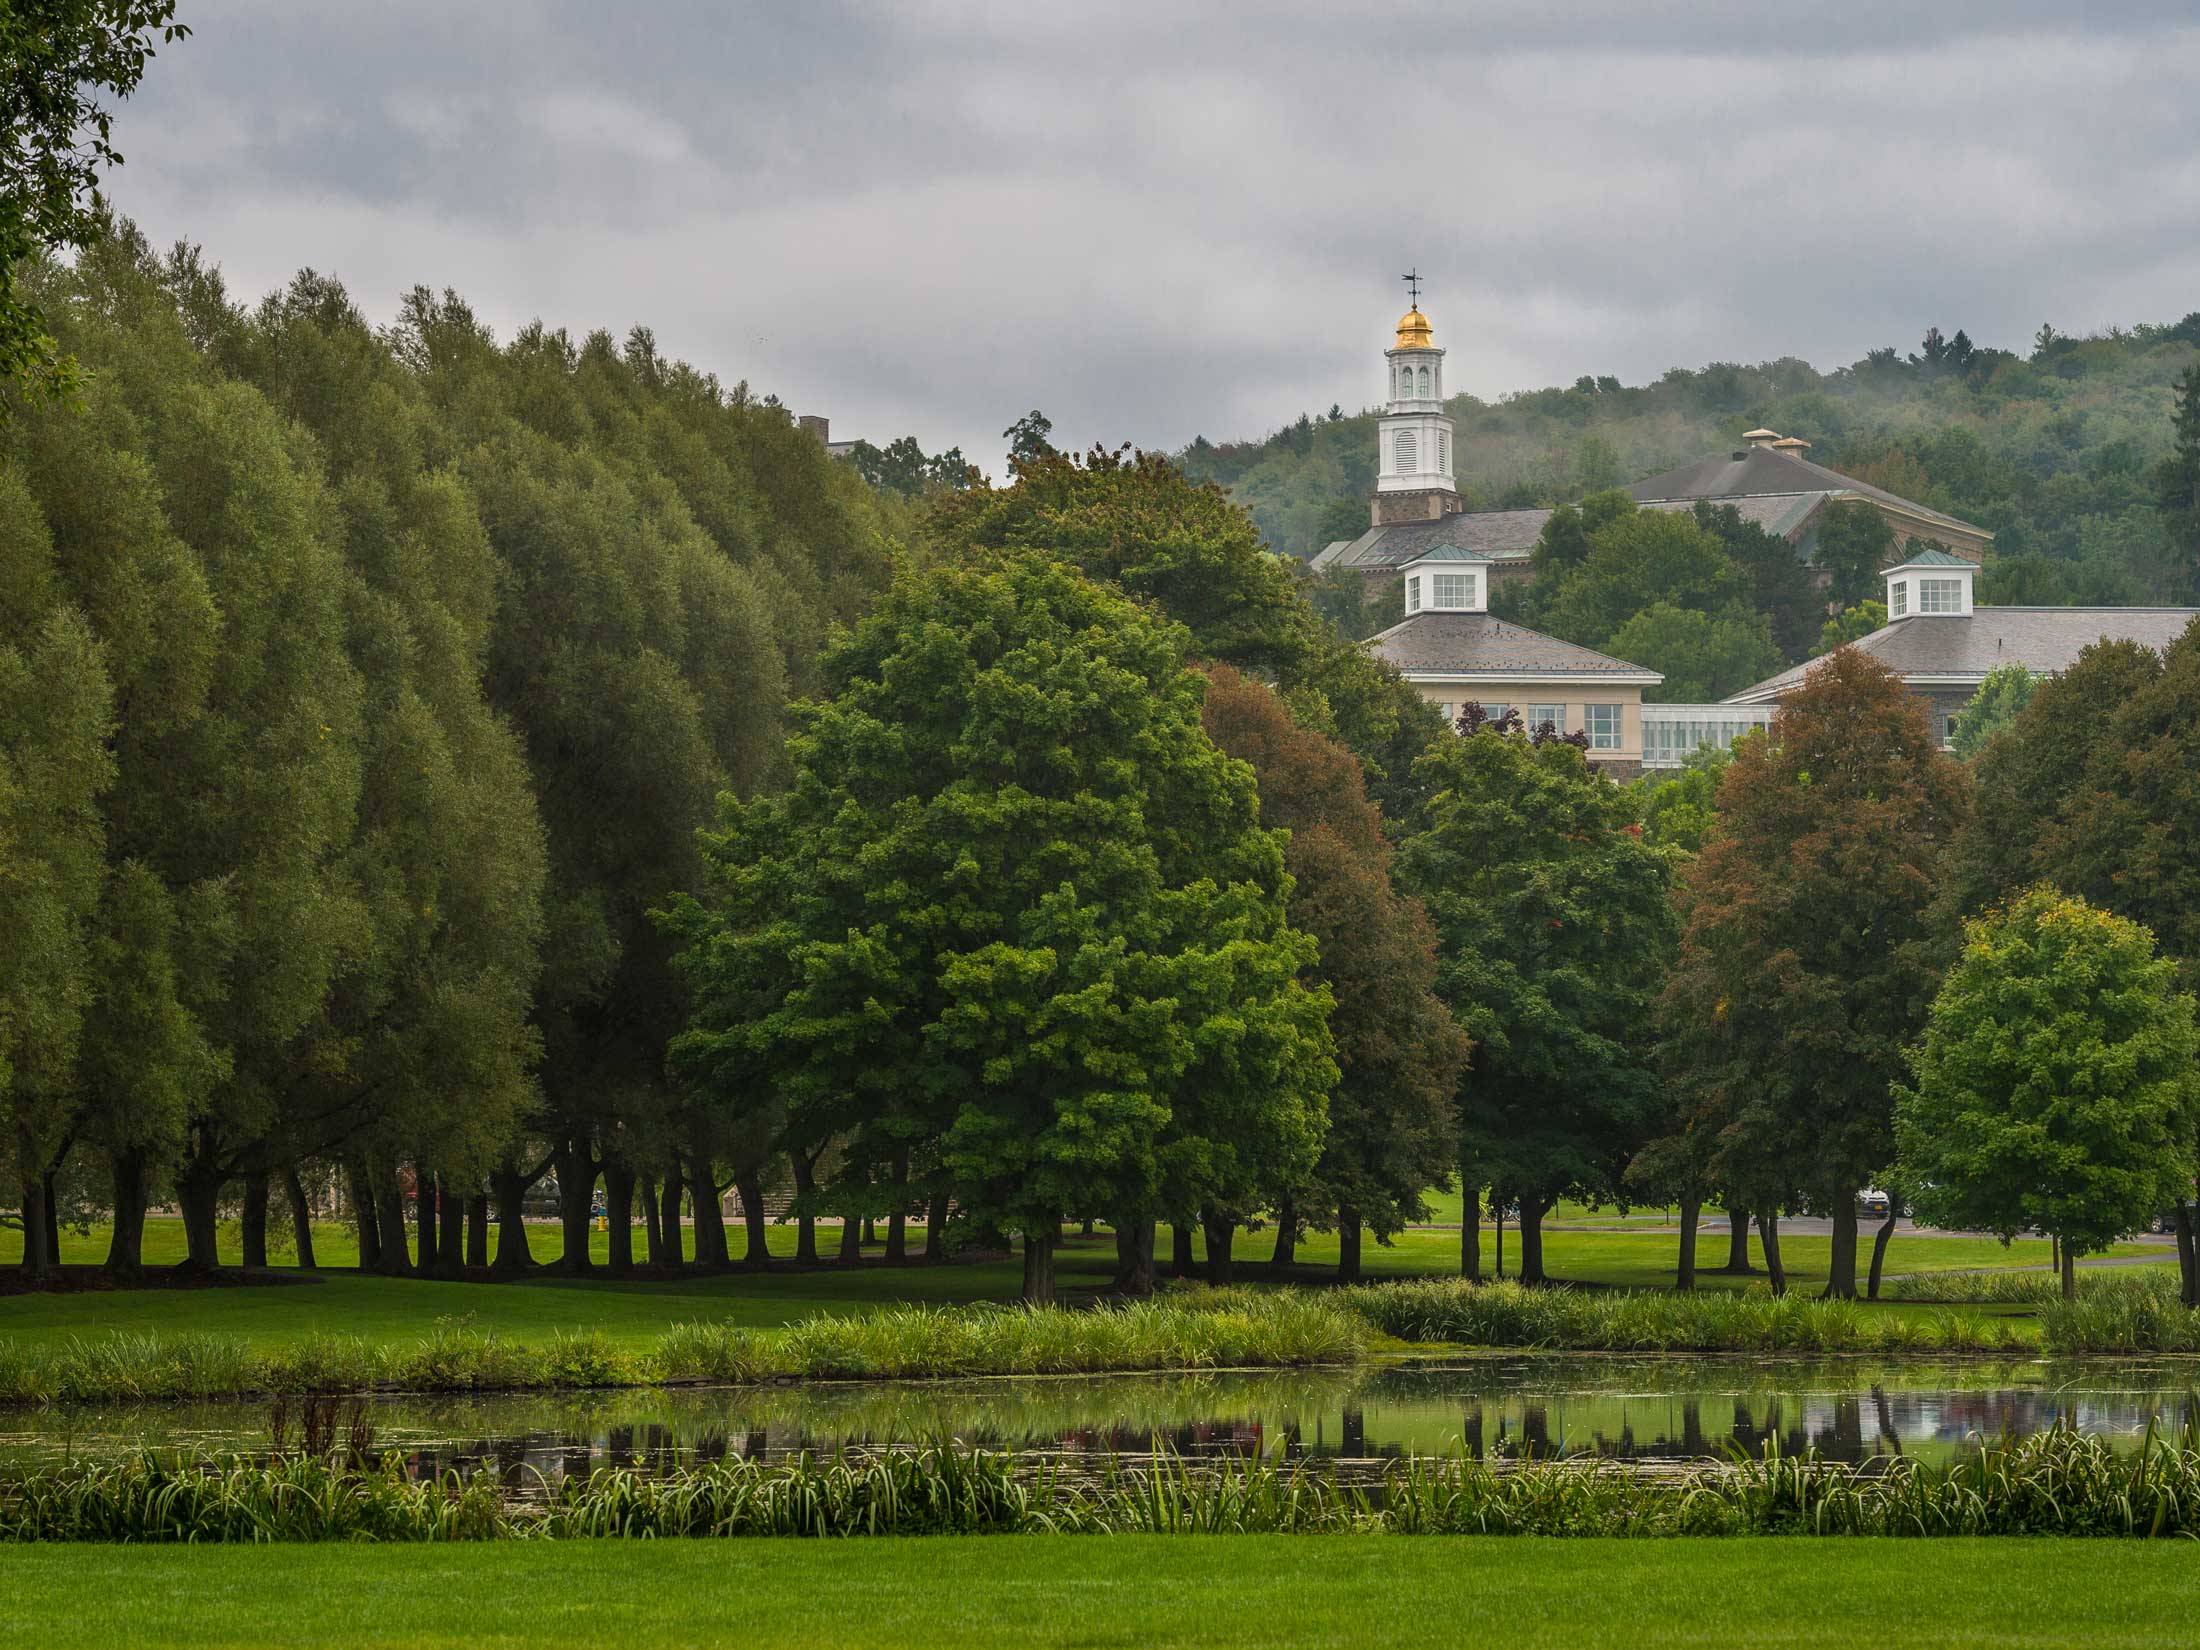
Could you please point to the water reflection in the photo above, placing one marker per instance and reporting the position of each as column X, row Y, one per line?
column 1647, row 1409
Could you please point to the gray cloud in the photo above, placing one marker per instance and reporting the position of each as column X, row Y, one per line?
column 1160, row 220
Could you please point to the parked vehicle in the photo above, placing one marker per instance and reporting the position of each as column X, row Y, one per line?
column 1872, row 1203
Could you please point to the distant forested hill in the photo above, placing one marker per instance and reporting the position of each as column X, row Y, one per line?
column 2054, row 449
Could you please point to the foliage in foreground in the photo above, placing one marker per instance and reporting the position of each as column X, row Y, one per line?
column 1218, row 1329
column 2055, row 1483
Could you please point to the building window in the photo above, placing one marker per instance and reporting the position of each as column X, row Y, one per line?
column 1424, row 383
column 1553, row 714
column 1409, row 457
column 1940, row 595
column 1898, row 599
column 1448, row 710
column 1948, row 720
column 1443, row 451
column 1454, row 590
column 1602, row 723
column 1413, row 594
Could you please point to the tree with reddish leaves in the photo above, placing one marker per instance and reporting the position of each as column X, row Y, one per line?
column 1813, row 939
column 1393, row 1125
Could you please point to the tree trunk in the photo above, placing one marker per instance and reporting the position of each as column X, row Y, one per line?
column 1497, row 1202
column 1684, row 1273
column 1879, row 1246
column 51, row 1184
column 1134, row 1256
column 509, row 1188
column 576, row 1201
column 424, row 1227
column 1180, row 1251
column 1287, row 1235
column 851, row 1240
column 301, row 1219
column 1470, row 1232
column 1221, row 1232
column 653, row 1232
column 365, row 1218
column 805, row 1219
column 897, row 1218
column 668, row 1203
column 198, row 1193
column 1348, row 1245
column 1531, row 1241
column 935, row 1227
column 1841, row 1265
column 1039, row 1266
column 477, row 1233
column 126, row 1248
column 756, row 1252
column 39, row 1258
column 1768, row 1233
column 712, row 1252
column 1737, row 1242
column 450, row 1237
column 389, row 1216
column 2069, row 1271
column 253, row 1226
column 2188, row 1257
column 618, row 1203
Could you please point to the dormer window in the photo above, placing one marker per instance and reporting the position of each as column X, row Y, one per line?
column 1413, row 593
column 1898, row 599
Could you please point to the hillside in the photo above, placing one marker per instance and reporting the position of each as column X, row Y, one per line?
column 2053, row 448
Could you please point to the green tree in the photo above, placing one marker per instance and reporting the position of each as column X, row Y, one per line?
column 1015, row 902
column 1553, row 931
column 2177, row 482
column 1852, row 624
column 1703, row 657
column 1811, row 942
column 57, row 58
column 1393, row 1130
column 1680, row 804
column 1636, row 562
column 2056, row 1088
column 1852, row 544
column 1027, row 439
column 1780, row 586
column 2001, row 697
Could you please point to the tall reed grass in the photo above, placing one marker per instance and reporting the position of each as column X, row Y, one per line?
column 1644, row 1320
column 1190, row 1331
column 2056, row 1483
column 2031, row 1287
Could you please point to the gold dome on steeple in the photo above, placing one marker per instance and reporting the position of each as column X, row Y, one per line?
column 1414, row 331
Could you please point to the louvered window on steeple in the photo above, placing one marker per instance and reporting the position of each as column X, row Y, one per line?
column 1443, row 451
column 1408, row 451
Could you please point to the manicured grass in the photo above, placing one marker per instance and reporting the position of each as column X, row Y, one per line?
column 971, row 1593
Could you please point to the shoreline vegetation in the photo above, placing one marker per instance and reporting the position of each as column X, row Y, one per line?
column 2134, row 1312
column 2061, row 1483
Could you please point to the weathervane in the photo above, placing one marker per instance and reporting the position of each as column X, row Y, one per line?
column 1412, row 279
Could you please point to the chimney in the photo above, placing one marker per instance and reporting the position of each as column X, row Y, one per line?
column 820, row 427
column 1794, row 446
column 1760, row 438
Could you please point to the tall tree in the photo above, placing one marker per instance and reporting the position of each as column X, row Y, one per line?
column 1016, row 902
column 1811, row 944
column 1852, row 543
column 1702, row 656
column 1393, row 1129
column 1553, row 931
column 2056, row 1087
column 60, row 60
column 2001, row 697
column 2177, row 483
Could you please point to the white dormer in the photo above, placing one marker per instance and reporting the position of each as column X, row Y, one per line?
column 1931, row 584
column 1447, row 580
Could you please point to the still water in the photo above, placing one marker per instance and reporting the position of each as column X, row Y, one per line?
column 1545, row 1406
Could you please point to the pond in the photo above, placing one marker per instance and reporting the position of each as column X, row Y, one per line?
column 1625, row 1408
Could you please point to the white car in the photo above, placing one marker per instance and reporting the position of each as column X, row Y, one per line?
column 1872, row 1202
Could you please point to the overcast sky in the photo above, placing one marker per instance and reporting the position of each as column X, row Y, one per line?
column 1155, row 221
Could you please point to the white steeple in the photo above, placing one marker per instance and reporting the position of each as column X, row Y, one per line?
column 1416, row 436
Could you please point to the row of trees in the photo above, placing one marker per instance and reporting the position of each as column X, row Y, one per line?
column 365, row 692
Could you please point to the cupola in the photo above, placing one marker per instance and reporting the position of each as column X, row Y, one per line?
column 1931, row 584
column 1414, row 455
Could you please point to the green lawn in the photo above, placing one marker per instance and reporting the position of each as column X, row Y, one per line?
column 402, row 1308
column 971, row 1593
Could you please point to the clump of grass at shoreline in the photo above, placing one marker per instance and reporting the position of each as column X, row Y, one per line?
column 1582, row 1320
column 1194, row 1330
column 2056, row 1483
